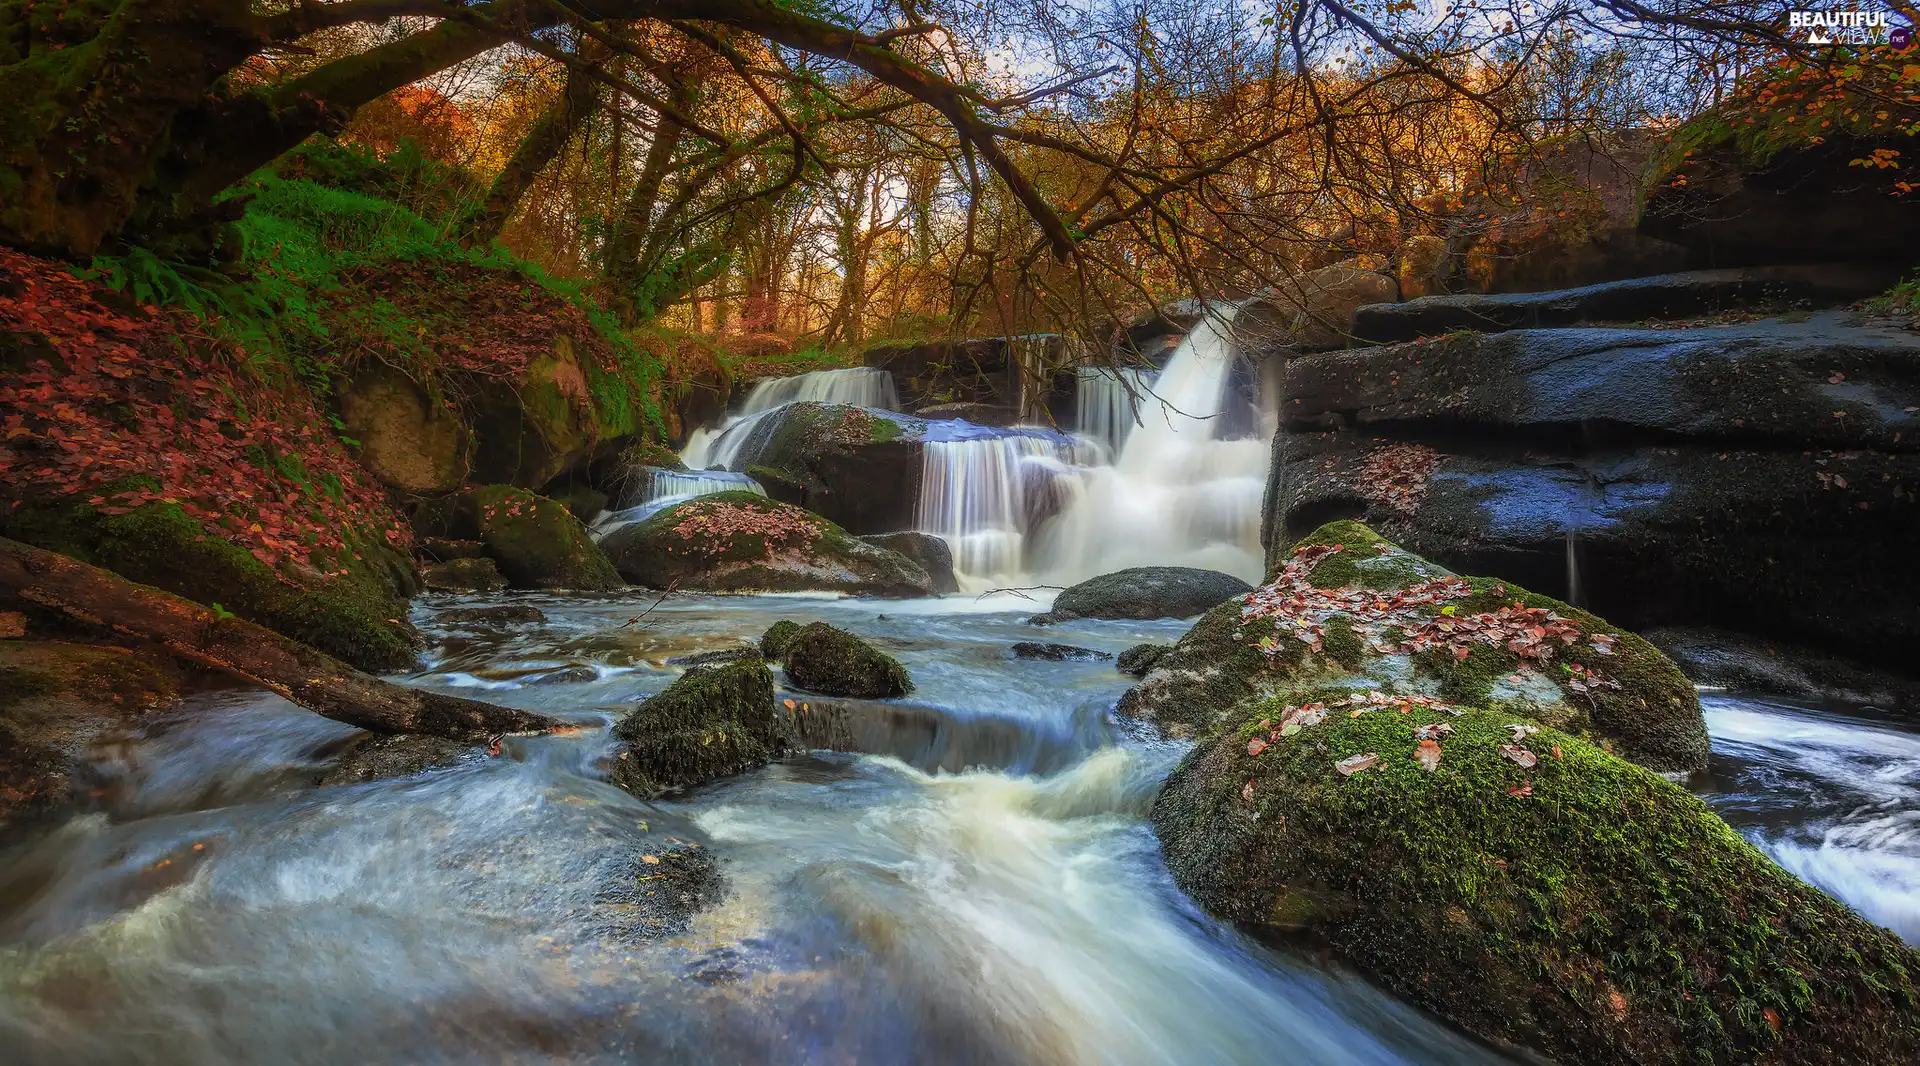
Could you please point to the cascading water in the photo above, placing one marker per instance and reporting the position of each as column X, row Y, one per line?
column 1105, row 399
column 717, row 449
column 984, row 495
column 663, row 488
column 1177, row 496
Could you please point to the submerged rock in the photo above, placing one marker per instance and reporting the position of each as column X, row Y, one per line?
column 373, row 758
column 56, row 699
column 463, row 575
column 502, row 615
column 715, row 657
column 1355, row 611
column 1145, row 592
column 1139, row 659
column 931, row 552
column 712, row 722
column 739, row 542
column 1528, row 887
column 834, row 662
column 1057, row 653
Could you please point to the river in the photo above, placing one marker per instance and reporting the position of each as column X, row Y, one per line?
column 981, row 888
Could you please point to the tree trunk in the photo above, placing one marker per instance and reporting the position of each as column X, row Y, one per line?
column 318, row 682
column 544, row 142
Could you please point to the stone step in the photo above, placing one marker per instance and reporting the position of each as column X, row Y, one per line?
column 1665, row 296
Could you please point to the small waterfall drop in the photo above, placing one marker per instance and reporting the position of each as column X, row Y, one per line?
column 983, row 496
column 663, row 488
column 1105, row 399
column 1177, row 496
column 1575, row 593
column 718, row 448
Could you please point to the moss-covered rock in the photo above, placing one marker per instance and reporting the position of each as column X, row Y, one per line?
column 537, row 543
column 859, row 469
column 713, row 722
column 357, row 614
column 1137, row 660
column 1144, row 592
column 834, row 662
column 773, row 643
column 1356, row 611
column 1529, row 887
column 55, row 700
column 463, row 575
column 740, row 542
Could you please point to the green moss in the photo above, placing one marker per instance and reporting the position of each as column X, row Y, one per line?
column 1214, row 669
column 712, row 722
column 1468, row 680
column 537, row 542
column 358, row 619
column 1602, row 915
column 773, row 643
column 884, row 429
column 1342, row 644
column 833, row 662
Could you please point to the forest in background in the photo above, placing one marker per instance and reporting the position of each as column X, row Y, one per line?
column 805, row 176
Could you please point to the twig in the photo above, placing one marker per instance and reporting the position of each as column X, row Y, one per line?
column 1020, row 592
column 670, row 587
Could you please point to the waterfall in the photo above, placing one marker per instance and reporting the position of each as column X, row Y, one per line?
column 983, row 496
column 663, row 488
column 1575, row 594
column 1176, row 496
column 1104, row 401
column 712, row 448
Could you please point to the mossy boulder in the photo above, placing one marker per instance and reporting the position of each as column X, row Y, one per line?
column 713, row 722
column 834, row 662
column 1144, row 592
column 857, row 467
column 56, row 699
column 406, row 439
column 931, row 552
column 463, row 575
column 742, row 542
column 1528, row 887
column 357, row 614
column 1354, row 610
column 773, row 643
column 538, row 543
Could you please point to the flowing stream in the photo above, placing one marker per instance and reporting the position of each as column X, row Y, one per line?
column 981, row 887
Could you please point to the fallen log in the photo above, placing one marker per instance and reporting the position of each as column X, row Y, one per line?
column 220, row 641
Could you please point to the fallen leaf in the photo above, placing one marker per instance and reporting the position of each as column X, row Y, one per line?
column 1525, row 758
column 1256, row 745
column 788, row 704
column 1521, row 731
column 1247, row 792
column 1433, row 731
column 1619, row 1004
column 1290, row 729
column 650, row 860
column 1520, row 791
column 1353, row 764
column 1427, row 755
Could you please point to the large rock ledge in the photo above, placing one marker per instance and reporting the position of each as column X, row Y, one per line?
column 1530, row 888
column 1762, row 478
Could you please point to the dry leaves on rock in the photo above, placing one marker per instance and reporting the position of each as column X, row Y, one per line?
column 1353, row 764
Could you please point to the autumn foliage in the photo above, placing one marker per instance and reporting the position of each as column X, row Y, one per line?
column 119, row 406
